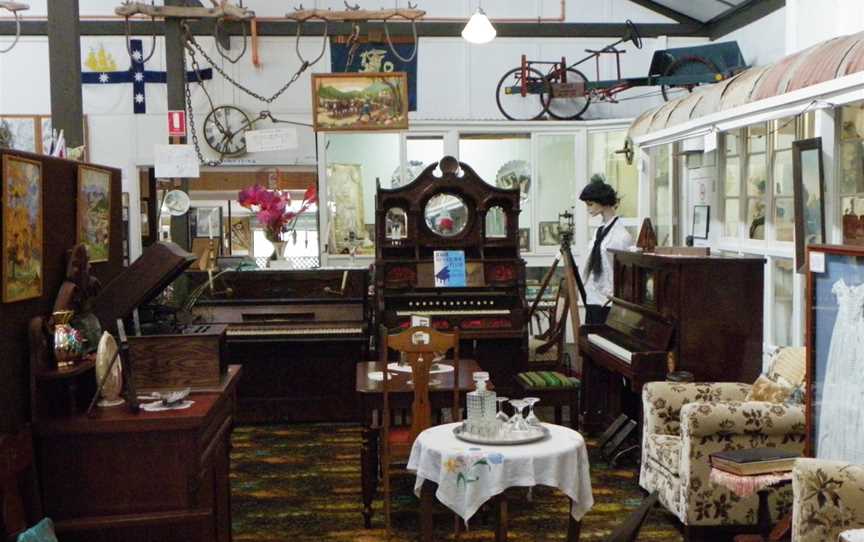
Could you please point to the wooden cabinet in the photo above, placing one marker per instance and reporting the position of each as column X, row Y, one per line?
column 149, row 477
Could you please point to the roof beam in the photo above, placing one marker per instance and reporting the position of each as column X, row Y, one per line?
column 667, row 12
column 424, row 29
column 746, row 13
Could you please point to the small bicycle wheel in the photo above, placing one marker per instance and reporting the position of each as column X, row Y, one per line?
column 692, row 65
column 568, row 99
column 512, row 104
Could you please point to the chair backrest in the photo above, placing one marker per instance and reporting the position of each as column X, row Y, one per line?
column 19, row 495
column 420, row 345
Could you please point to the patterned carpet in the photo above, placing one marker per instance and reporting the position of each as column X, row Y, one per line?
column 302, row 483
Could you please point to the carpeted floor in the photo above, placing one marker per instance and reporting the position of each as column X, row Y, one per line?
column 302, row 483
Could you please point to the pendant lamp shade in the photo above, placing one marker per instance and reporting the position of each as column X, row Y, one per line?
column 479, row 29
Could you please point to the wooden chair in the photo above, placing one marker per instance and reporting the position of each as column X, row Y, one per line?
column 548, row 377
column 19, row 495
column 420, row 346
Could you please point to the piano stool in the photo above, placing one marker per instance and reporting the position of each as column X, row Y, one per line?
column 555, row 389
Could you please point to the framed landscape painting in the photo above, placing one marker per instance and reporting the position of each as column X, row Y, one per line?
column 360, row 101
column 22, row 229
column 94, row 212
column 835, row 353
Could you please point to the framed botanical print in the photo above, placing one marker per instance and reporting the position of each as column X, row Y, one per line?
column 809, row 191
column 23, row 253
column 94, row 212
column 835, row 352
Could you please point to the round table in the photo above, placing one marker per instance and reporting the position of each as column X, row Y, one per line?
column 470, row 474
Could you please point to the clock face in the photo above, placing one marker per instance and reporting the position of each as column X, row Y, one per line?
column 225, row 130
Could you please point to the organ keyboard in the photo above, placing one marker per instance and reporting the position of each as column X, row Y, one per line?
column 605, row 344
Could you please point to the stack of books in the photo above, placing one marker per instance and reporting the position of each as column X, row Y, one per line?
column 754, row 461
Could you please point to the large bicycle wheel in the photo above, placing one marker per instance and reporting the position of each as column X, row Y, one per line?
column 566, row 99
column 686, row 65
column 512, row 104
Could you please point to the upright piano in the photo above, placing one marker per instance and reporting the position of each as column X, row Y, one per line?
column 298, row 335
column 463, row 214
column 700, row 314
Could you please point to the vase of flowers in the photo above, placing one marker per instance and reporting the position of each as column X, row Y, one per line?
column 273, row 209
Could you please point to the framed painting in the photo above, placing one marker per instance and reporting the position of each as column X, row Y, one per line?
column 550, row 235
column 360, row 101
column 94, row 212
column 835, row 352
column 23, row 253
column 809, row 195
column 525, row 239
column 701, row 220
column 345, row 198
column 241, row 236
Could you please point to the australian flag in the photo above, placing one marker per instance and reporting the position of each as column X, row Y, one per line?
column 377, row 57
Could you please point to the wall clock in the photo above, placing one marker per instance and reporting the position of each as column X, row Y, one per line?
column 225, row 130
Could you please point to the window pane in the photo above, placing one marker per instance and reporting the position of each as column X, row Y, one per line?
column 502, row 160
column 556, row 170
column 420, row 152
column 756, row 175
column 852, row 124
column 755, row 218
column 603, row 160
column 784, row 214
column 732, row 186
column 783, row 173
column 663, row 220
column 784, row 133
column 354, row 162
column 852, row 205
column 756, row 138
column 851, row 168
column 783, row 289
column 732, row 143
column 731, row 218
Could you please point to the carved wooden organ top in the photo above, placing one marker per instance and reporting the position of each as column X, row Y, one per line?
column 450, row 212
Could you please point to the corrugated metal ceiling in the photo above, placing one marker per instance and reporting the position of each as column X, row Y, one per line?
column 702, row 10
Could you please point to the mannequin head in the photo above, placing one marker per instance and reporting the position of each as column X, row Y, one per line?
column 599, row 197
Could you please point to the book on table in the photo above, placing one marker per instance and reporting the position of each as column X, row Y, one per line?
column 754, row 461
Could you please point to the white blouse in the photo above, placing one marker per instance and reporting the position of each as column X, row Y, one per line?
column 598, row 286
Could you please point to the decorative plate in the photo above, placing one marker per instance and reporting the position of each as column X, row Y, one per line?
column 537, row 433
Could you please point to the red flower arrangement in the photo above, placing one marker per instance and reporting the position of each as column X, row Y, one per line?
column 271, row 208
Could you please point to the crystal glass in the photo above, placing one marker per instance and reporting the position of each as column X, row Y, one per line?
column 517, row 421
column 501, row 415
column 532, row 418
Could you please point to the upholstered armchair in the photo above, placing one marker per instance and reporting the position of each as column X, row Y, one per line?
column 685, row 422
column 829, row 499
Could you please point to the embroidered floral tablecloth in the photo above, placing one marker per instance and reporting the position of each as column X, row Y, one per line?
column 470, row 474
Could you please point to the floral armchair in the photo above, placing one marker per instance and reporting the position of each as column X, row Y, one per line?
column 685, row 422
column 829, row 499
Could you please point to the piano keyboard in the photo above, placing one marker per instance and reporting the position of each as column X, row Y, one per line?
column 446, row 312
column 605, row 344
column 248, row 331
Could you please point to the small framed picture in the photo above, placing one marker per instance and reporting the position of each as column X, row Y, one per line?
column 701, row 220
column 525, row 239
column 549, row 234
column 206, row 222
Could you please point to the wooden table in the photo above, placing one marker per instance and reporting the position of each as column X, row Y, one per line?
column 370, row 398
column 151, row 476
column 766, row 483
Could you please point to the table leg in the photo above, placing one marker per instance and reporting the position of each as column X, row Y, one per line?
column 501, row 518
column 574, row 530
column 369, row 472
column 764, row 513
column 427, row 494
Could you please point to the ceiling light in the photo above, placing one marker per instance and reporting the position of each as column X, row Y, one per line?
column 479, row 29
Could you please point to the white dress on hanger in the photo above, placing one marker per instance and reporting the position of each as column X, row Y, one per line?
column 841, row 420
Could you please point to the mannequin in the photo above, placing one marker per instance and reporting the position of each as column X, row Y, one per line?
column 601, row 199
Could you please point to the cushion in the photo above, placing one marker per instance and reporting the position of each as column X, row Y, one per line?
column 41, row 532
column 539, row 380
column 767, row 389
column 789, row 363
column 550, row 354
column 664, row 452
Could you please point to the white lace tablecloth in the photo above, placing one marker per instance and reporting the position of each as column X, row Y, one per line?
column 470, row 474
column 747, row 485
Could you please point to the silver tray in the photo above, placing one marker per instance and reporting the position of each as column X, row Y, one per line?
column 459, row 432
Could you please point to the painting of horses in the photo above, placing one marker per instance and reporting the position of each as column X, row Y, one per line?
column 94, row 211
column 360, row 101
column 22, row 229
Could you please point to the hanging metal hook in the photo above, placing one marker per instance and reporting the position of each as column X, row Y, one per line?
column 349, row 7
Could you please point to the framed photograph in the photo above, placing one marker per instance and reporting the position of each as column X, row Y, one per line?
column 701, row 220
column 22, row 210
column 525, row 239
column 549, row 234
column 241, row 236
column 835, row 352
column 94, row 212
column 809, row 195
column 360, row 101
column 206, row 222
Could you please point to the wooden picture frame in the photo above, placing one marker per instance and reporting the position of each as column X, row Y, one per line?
column 93, row 215
column 808, row 184
column 360, row 101
column 701, row 221
column 550, row 235
column 835, row 289
column 525, row 239
column 23, row 243
column 201, row 225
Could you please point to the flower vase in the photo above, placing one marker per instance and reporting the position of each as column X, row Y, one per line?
column 278, row 250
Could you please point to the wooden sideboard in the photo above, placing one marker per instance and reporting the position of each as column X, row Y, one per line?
column 147, row 477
